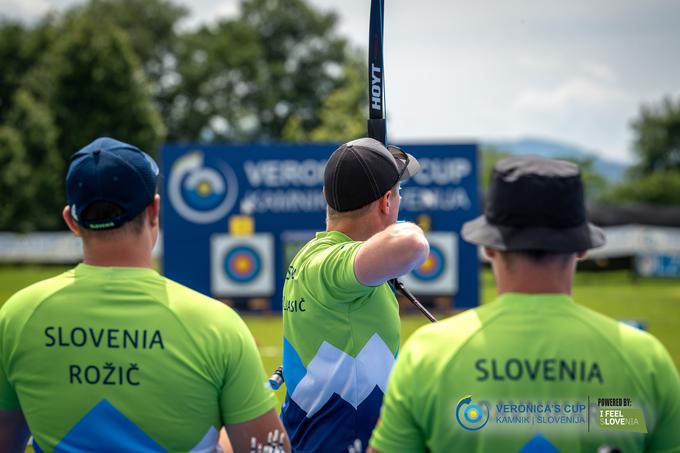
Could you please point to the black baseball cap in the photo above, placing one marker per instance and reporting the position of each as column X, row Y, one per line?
column 534, row 203
column 361, row 171
column 111, row 171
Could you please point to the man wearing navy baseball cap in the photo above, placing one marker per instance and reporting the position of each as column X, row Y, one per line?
column 108, row 184
column 111, row 356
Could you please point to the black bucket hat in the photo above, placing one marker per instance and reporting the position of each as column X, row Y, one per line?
column 534, row 203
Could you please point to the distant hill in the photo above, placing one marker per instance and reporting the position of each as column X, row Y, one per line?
column 612, row 170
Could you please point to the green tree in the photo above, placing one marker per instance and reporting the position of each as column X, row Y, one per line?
column 656, row 177
column 217, row 67
column 657, row 136
column 660, row 188
column 15, row 170
column 149, row 24
column 40, row 193
column 20, row 49
column 244, row 79
column 72, row 79
column 151, row 28
column 92, row 83
column 343, row 113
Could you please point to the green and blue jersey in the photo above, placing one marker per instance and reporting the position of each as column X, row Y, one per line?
column 530, row 373
column 340, row 342
column 122, row 359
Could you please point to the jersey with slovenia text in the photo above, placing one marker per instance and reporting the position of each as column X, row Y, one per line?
column 340, row 342
column 123, row 359
column 531, row 373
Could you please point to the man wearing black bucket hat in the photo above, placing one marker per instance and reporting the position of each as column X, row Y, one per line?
column 532, row 371
column 341, row 319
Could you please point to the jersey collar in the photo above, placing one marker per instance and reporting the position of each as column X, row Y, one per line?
column 87, row 269
column 532, row 299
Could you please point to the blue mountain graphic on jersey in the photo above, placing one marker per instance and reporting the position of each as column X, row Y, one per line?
column 106, row 430
column 539, row 444
column 334, row 427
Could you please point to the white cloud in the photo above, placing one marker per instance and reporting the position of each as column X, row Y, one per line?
column 573, row 93
column 208, row 12
column 24, row 10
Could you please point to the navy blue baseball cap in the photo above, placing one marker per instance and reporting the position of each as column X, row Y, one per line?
column 111, row 171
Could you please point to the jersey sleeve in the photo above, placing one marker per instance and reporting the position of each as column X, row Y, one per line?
column 665, row 436
column 397, row 429
column 335, row 269
column 245, row 394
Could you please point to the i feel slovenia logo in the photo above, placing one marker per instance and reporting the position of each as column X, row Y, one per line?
column 201, row 193
column 472, row 416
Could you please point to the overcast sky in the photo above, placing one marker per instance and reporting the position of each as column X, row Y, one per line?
column 570, row 70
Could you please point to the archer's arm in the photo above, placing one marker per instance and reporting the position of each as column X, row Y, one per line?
column 14, row 432
column 261, row 428
column 393, row 252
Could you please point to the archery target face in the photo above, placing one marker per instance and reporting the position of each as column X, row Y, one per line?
column 438, row 275
column 242, row 265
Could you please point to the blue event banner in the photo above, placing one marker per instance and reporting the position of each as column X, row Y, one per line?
column 280, row 188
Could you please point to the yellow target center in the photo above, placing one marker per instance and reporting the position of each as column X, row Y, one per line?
column 242, row 265
column 428, row 264
column 204, row 188
column 473, row 413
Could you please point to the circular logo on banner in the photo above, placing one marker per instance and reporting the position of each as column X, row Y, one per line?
column 433, row 267
column 471, row 416
column 199, row 193
column 242, row 264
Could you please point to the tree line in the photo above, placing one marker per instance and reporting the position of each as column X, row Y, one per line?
column 277, row 71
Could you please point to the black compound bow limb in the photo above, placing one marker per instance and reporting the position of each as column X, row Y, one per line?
column 377, row 125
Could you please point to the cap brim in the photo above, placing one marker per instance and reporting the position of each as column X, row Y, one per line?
column 560, row 240
column 412, row 168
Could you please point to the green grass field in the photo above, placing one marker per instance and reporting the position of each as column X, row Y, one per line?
column 654, row 302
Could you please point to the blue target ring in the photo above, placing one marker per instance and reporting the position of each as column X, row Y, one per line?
column 433, row 267
column 242, row 264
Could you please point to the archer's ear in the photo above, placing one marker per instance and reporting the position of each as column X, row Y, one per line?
column 489, row 253
column 386, row 202
column 70, row 221
column 153, row 211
